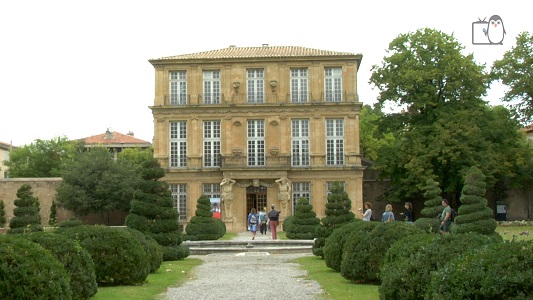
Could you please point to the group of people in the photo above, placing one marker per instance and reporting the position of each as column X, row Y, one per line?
column 262, row 220
column 388, row 215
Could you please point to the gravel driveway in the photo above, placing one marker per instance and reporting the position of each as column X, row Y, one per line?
column 250, row 275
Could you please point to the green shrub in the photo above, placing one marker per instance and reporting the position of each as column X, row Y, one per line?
column 362, row 254
column 152, row 249
column 118, row 257
column 336, row 240
column 2, row 214
column 76, row 261
column 303, row 222
column 28, row 271
column 432, row 207
column 175, row 253
column 287, row 223
column 497, row 271
column 408, row 265
column 202, row 226
column 26, row 213
column 72, row 222
column 221, row 228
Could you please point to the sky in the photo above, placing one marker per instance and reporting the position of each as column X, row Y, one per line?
column 76, row 68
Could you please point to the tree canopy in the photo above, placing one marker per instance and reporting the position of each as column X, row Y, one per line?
column 515, row 70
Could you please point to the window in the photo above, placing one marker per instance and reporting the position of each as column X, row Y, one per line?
column 299, row 87
column 255, row 86
column 211, row 190
column 212, row 144
column 333, row 84
column 179, row 197
column 212, row 87
column 334, row 142
column 178, row 144
column 300, row 190
column 178, row 88
column 256, row 143
column 300, row 142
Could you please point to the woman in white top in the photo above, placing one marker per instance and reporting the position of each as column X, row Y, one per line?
column 367, row 214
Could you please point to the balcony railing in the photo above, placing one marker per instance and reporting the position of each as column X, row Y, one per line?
column 253, row 162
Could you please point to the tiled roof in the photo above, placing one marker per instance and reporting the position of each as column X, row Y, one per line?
column 113, row 137
column 6, row 146
column 257, row 52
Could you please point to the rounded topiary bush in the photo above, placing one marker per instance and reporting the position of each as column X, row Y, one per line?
column 287, row 223
column 175, row 253
column 335, row 242
column 28, row 271
column 496, row 271
column 72, row 222
column 76, row 261
column 362, row 256
column 118, row 257
column 202, row 226
column 408, row 264
column 153, row 250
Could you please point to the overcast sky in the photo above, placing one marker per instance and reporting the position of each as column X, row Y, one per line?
column 75, row 68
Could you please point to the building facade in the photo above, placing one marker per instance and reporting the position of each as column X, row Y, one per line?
column 4, row 156
column 115, row 142
column 256, row 126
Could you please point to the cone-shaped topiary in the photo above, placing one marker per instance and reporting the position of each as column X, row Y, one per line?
column 152, row 212
column 338, row 214
column 202, row 226
column 474, row 215
column 2, row 214
column 432, row 207
column 26, row 213
column 304, row 222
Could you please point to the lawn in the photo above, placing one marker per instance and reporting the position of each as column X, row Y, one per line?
column 520, row 233
column 333, row 284
column 171, row 273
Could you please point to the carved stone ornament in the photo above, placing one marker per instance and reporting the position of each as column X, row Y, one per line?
column 274, row 151
column 237, row 123
column 237, row 152
column 274, row 123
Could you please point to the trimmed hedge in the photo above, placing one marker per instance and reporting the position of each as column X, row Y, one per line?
column 497, row 271
column 153, row 250
column 72, row 222
column 202, row 226
column 408, row 265
column 76, row 260
column 362, row 254
column 221, row 227
column 335, row 242
column 28, row 271
column 118, row 257
column 303, row 222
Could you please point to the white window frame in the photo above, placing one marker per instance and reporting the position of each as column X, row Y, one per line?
column 178, row 87
column 334, row 142
column 300, row 190
column 178, row 144
column 255, row 85
column 179, row 197
column 256, row 142
column 211, row 190
column 211, row 80
column 333, row 84
column 299, row 85
column 300, row 143
column 212, row 144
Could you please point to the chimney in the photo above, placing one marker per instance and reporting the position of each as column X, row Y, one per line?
column 265, row 45
column 130, row 133
column 108, row 135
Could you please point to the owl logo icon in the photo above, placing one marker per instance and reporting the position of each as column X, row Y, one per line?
column 491, row 32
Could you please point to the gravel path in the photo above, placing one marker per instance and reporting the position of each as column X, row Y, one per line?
column 246, row 276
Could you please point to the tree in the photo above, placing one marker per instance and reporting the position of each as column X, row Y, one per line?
column 432, row 207
column 94, row 183
column 152, row 211
column 514, row 70
column 26, row 213
column 372, row 139
column 53, row 214
column 474, row 215
column 202, row 226
column 42, row 158
column 304, row 222
column 445, row 127
column 2, row 213
column 338, row 214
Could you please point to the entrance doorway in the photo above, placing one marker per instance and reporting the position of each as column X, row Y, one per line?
column 256, row 197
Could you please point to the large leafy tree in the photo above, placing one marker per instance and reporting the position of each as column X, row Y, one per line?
column 42, row 158
column 444, row 127
column 515, row 70
column 95, row 183
column 372, row 138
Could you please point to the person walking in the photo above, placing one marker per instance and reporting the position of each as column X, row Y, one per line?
column 388, row 215
column 445, row 217
column 253, row 219
column 367, row 214
column 273, row 216
column 263, row 221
